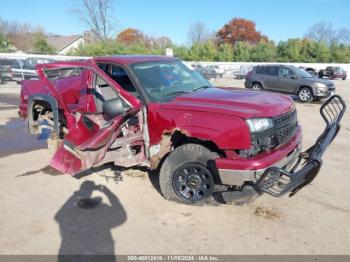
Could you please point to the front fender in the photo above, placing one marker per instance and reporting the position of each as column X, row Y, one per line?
column 226, row 131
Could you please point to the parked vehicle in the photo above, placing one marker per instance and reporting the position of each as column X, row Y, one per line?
column 219, row 71
column 333, row 72
column 5, row 70
column 289, row 80
column 310, row 70
column 124, row 110
column 198, row 68
column 242, row 72
column 208, row 72
column 25, row 68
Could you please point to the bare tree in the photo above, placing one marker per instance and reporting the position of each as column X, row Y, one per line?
column 321, row 32
column 198, row 32
column 96, row 15
column 22, row 36
column 342, row 36
column 326, row 33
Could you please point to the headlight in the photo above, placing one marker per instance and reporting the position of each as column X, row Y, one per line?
column 321, row 87
column 259, row 124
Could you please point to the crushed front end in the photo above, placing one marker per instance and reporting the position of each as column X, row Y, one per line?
column 275, row 164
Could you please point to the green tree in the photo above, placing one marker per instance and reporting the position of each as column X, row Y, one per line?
column 182, row 52
column 263, row 52
column 225, row 53
column 241, row 52
column 210, row 51
column 40, row 45
column 289, row 51
column 113, row 47
column 340, row 53
column 3, row 43
column 307, row 51
column 322, row 52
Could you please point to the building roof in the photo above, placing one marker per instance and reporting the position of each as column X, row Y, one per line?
column 61, row 42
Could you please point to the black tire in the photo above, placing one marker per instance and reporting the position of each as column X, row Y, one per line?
column 305, row 95
column 257, row 87
column 344, row 78
column 194, row 186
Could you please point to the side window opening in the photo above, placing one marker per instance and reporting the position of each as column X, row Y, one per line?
column 259, row 70
column 272, row 71
column 284, row 72
column 69, row 83
column 121, row 77
column 102, row 92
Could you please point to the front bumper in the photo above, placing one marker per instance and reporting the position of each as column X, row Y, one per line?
column 238, row 171
column 278, row 181
column 330, row 92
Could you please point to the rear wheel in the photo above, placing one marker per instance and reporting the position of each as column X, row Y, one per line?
column 344, row 78
column 186, row 176
column 257, row 86
column 305, row 95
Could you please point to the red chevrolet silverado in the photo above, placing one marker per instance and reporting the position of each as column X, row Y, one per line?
column 156, row 112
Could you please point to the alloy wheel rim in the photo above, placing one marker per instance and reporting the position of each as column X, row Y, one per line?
column 193, row 182
column 305, row 95
column 256, row 87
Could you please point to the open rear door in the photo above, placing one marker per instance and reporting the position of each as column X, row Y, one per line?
column 89, row 134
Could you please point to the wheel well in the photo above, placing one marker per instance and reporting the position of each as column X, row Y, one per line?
column 179, row 139
column 256, row 82
column 39, row 106
column 43, row 107
column 173, row 140
column 306, row 87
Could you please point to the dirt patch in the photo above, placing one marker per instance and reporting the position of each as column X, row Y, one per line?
column 267, row 213
column 5, row 108
column 135, row 173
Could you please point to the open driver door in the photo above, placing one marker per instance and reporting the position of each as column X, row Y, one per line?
column 103, row 124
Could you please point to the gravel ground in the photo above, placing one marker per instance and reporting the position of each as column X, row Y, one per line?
column 42, row 214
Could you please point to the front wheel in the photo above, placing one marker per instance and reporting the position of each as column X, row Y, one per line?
column 305, row 95
column 257, row 87
column 186, row 175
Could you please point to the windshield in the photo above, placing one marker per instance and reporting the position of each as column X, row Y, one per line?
column 164, row 80
column 301, row 73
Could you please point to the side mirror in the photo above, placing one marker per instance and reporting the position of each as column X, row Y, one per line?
column 293, row 77
column 114, row 107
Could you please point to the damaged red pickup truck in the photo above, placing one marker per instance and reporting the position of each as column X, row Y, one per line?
column 156, row 112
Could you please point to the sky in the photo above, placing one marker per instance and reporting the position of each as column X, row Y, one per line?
column 277, row 19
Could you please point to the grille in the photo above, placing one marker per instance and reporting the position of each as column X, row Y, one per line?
column 285, row 126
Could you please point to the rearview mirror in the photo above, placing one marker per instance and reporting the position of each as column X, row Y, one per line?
column 114, row 107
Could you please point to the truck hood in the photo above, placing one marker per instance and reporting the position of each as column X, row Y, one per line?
column 234, row 101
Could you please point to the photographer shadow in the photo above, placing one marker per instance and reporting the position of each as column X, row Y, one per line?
column 85, row 224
